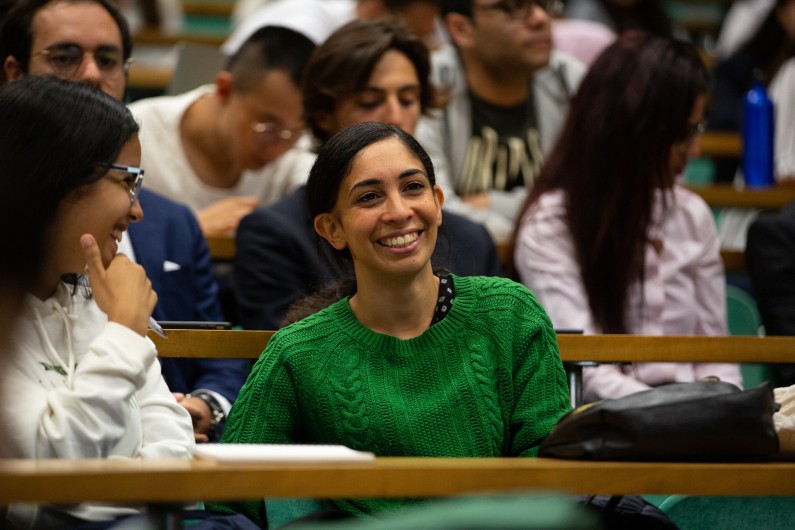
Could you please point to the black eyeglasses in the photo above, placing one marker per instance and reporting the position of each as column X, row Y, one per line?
column 66, row 59
column 521, row 9
column 136, row 182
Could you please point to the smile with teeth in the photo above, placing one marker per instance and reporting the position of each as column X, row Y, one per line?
column 400, row 241
column 117, row 233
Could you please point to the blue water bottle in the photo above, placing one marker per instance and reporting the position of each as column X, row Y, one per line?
column 758, row 127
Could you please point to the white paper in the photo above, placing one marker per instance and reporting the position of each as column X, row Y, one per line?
column 239, row 453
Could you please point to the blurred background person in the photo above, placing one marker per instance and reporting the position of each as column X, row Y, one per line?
column 508, row 96
column 765, row 55
column 623, row 15
column 224, row 148
column 607, row 240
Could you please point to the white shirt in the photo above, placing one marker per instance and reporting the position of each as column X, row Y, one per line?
column 683, row 292
column 169, row 172
column 782, row 93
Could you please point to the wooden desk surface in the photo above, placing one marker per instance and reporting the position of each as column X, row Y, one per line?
column 156, row 36
column 598, row 348
column 142, row 76
column 716, row 143
column 222, row 248
column 727, row 196
column 64, row 481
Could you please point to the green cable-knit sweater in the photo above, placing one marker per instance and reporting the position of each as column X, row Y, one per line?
column 485, row 381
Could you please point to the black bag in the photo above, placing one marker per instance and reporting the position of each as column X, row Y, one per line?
column 705, row 420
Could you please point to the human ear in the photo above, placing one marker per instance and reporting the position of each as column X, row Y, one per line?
column 329, row 228
column 12, row 68
column 223, row 85
column 439, row 200
column 460, row 29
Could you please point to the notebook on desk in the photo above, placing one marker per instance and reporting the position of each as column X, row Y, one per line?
column 280, row 453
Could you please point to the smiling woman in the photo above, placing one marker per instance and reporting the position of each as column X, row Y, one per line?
column 82, row 380
column 413, row 363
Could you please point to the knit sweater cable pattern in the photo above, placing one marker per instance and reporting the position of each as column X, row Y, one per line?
column 486, row 381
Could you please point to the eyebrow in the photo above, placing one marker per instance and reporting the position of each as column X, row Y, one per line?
column 380, row 90
column 101, row 47
column 374, row 182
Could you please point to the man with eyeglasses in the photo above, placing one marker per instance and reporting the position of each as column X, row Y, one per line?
column 89, row 41
column 225, row 148
column 509, row 95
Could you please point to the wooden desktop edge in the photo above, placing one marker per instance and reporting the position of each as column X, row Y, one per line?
column 729, row 196
column 64, row 481
column 573, row 348
column 222, row 248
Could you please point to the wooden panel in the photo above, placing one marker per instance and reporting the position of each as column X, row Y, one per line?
column 155, row 36
column 222, row 248
column 598, row 348
column 66, row 481
column 638, row 348
column 733, row 260
column 211, row 343
column 208, row 9
column 727, row 196
column 149, row 77
column 721, row 144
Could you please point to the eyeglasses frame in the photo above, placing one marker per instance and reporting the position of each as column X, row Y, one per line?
column 125, row 63
column 281, row 134
column 135, row 190
column 551, row 7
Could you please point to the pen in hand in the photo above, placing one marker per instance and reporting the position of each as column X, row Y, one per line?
column 154, row 326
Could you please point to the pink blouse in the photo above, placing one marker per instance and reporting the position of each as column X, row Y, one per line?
column 683, row 292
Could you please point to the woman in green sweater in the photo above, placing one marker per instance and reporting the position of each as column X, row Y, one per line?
column 413, row 363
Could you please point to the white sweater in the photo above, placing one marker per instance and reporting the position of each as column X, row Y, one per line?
column 78, row 386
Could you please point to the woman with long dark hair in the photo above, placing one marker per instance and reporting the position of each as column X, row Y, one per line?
column 82, row 379
column 607, row 240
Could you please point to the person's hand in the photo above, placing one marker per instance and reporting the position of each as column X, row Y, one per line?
column 222, row 217
column 200, row 414
column 122, row 291
column 478, row 200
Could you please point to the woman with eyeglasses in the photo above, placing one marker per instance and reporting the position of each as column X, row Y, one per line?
column 82, row 379
column 607, row 240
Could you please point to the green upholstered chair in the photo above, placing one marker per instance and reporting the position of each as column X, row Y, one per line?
column 731, row 513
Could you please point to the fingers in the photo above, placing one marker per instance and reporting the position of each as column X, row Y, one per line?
column 93, row 256
column 124, row 293
column 249, row 201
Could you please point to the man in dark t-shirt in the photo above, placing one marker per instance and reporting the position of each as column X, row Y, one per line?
column 508, row 93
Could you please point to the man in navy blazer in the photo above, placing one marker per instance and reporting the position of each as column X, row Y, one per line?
column 169, row 245
column 279, row 259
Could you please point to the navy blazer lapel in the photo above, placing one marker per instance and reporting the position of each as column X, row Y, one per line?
column 149, row 243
